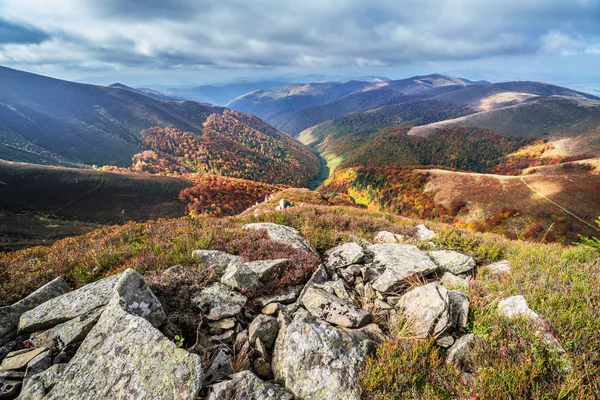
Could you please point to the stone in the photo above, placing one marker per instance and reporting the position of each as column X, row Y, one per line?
column 226, row 337
column 399, row 263
column 461, row 350
column 220, row 368
column 247, row 386
column 451, row 281
column 344, row 255
column 219, row 260
column 136, row 298
column 316, row 360
column 445, row 340
column 10, row 315
column 500, row 268
column 516, row 306
column 38, row 386
column 452, row 261
column 262, row 350
column 253, row 275
column 319, row 276
column 459, row 309
column 265, row 328
column 68, row 306
column 125, row 356
column 423, row 233
column 369, row 274
column 270, row 309
column 426, row 310
column 9, row 388
column 336, row 288
column 382, row 305
column 69, row 332
column 289, row 295
column 387, row 237
column 262, row 368
column 332, row 309
column 38, row 364
column 19, row 359
column 283, row 234
column 219, row 301
column 226, row 323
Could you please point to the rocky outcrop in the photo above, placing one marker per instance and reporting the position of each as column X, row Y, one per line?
column 283, row 234
column 10, row 315
column 125, row 356
column 68, row 306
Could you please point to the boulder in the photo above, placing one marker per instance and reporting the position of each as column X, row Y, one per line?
column 68, row 306
column 445, row 340
column 452, row 281
column 461, row 351
column 262, row 368
column 19, row 359
column 69, row 332
column 38, row 386
column 247, row 386
column 9, row 315
column 263, row 328
column 220, row 368
column 459, row 309
column 289, row 295
column 337, row 288
column 344, row 255
column 253, row 275
column 426, row 310
column 387, row 237
column 452, row 261
column 125, row 356
column 38, row 364
column 283, row 234
column 398, row 263
column 332, row 309
column 316, row 360
column 423, row 233
column 500, row 267
column 219, row 301
column 319, row 276
column 219, row 260
column 9, row 388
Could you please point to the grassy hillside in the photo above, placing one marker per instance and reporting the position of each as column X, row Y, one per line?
column 560, row 283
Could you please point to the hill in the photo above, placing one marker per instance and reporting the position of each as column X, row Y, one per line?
column 297, row 107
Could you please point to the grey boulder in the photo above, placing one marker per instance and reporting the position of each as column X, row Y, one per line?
column 452, row 261
column 283, row 234
column 426, row 310
column 219, row 301
column 388, row 237
column 332, row 309
column 219, row 260
column 264, row 328
column 247, row 386
column 253, row 275
column 344, row 255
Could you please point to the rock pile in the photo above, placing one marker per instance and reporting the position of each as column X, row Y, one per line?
column 108, row 340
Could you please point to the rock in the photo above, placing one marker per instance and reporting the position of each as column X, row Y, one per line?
column 423, row 233
column 226, row 323
column 270, row 309
column 283, row 234
column 219, row 260
column 316, row 360
column 452, row 281
column 445, row 340
column 461, row 350
column 219, row 301
column 253, row 275
column 262, row 368
column 247, row 386
column 265, row 328
column 516, row 306
column 369, row 274
column 374, row 331
column 319, row 276
column 226, row 337
column 221, row 367
column 136, row 298
column 19, row 359
column 68, row 306
column 459, row 309
column 69, row 332
column 426, row 310
column 398, row 263
column 283, row 204
column 500, row 267
column 289, row 295
column 336, row 288
column 125, row 356
column 261, row 349
column 388, row 237
column 452, row 261
column 382, row 305
column 344, row 255
column 333, row 309
column 39, row 385
column 9, row 315
column 38, row 364
column 9, row 388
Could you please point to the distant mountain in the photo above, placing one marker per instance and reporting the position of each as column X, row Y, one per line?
column 297, row 107
column 50, row 121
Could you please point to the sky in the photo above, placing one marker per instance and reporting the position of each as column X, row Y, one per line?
column 188, row 42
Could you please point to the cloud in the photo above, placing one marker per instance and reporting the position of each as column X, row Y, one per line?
column 159, row 34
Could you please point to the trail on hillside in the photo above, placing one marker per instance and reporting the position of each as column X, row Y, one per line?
column 558, row 205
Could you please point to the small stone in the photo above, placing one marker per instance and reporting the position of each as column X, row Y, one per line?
column 262, row 368
column 344, row 255
column 19, row 359
column 387, row 237
column 426, row 310
column 226, row 323
column 247, row 386
column 216, row 259
column 452, row 281
column 39, row 385
column 270, row 309
column 283, row 234
column 225, row 338
column 452, row 261
column 319, row 276
column 9, row 388
column 261, row 349
column 289, row 295
column 445, row 340
column 423, row 233
column 500, row 268
column 38, row 364
column 459, row 309
column 369, row 274
column 220, row 368
column 253, row 275
column 265, row 328
column 68, row 332
column 382, row 305
column 461, row 350
column 219, row 301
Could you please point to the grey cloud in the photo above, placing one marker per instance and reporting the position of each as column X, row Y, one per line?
column 14, row 33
